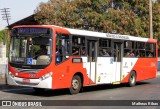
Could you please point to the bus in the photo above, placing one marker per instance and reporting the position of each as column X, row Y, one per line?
column 74, row 58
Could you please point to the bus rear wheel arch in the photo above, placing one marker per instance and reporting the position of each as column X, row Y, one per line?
column 76, row 83
column 132, row 79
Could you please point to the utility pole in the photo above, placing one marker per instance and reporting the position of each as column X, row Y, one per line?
column 150, row 20
column 5, row 14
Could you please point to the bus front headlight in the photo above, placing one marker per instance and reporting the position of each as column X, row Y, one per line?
column 46, row 76
column 11, row 74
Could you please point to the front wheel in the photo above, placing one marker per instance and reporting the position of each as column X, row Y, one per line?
column 132, row 79
column 75, row 85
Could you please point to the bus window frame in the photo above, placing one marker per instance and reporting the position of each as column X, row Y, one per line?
column 69, row 53
column 135, row 48
column 79, row 36
column 108, row 46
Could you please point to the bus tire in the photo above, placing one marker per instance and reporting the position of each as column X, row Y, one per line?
column 38, row 90
column 132, row 79
column 76, row 85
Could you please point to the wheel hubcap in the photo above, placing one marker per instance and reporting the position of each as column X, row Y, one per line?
column 132, row 79
column 75, row 84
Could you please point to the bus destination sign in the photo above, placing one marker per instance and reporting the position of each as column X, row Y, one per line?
column 32, row 31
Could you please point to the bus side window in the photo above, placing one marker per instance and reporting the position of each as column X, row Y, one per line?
column 129, row 50
column 150, row 50
column 62, row 48
column 105, row 47
column 78, row 45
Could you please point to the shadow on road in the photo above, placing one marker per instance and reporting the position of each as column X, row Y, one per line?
column 7, row 87
column 62, row 92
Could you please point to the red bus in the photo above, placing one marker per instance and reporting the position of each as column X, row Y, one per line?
column 53, row 57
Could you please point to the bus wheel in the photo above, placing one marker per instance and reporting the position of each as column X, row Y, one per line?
column 132, row 79
column 38, row 90
column 75, row 85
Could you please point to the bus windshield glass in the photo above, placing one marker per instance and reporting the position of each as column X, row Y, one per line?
column 30, row 47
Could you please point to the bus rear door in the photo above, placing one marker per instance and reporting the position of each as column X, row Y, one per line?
column 92, row 59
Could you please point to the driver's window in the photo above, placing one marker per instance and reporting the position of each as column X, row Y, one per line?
column 40, row 50
column 40, row 46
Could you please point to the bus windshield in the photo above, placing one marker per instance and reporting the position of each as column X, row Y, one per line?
column 30, row 50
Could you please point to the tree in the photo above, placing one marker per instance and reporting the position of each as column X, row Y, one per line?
column 123, row 16
column 3, row 34
column 4, row 38
column 156, row 20
column 47, row 13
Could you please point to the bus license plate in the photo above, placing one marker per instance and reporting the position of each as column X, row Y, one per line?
column 26, row 80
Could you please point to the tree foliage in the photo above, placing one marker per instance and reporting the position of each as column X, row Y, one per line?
column 3, row 34
column 122, row 16
column 4, row 38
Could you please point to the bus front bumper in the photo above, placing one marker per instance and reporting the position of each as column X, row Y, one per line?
column 39, row 83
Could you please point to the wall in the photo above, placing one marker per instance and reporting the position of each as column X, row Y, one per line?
column 3, row 61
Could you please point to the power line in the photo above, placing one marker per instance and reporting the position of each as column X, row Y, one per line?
column 6, row 14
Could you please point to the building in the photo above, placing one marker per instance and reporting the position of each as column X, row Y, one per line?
column 26, row 21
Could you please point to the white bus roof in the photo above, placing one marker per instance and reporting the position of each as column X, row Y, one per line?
column 103, row 35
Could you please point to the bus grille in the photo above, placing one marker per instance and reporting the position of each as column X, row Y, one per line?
column 23, row 83
column 28, row 70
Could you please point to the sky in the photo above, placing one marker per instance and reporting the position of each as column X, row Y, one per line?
column 19, row 9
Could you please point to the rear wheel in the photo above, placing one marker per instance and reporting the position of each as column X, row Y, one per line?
column 132, row 79
column 76, row 85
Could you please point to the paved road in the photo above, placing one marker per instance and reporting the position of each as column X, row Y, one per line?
column 146, row 90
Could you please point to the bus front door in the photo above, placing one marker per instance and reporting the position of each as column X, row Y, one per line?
column 118, row 53
column 92, row 59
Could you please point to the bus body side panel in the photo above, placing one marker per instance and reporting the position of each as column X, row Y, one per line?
column 127, row 66
column 64, row 72
column 145, row 68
